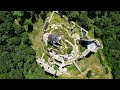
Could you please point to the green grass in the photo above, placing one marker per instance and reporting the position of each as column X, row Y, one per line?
column 92, row 63
column 91, row 33
column 46, row 58
column 66, row 23
column 82, row 49
column 57, row 20
column 72, row 69
column 69, row 50
column 58, row 50
column 49, row 45
column 77, row 30
column 55, row 67
column 35, row 37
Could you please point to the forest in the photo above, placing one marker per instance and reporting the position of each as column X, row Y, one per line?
column 17, row 57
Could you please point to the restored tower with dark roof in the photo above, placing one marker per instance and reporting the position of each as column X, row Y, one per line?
column 54, row 39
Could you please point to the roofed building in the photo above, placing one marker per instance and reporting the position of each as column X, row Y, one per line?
column 54, row 39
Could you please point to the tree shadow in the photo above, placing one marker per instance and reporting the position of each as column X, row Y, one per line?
column 85, row 27
column 34, row 19
column 22, row 21
column 79, row 59
column 83, row 43
column 27, row 15
column 56, row 76
column 30, row 28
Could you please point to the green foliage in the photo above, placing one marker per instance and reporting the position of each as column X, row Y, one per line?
column 17, row 57
column 107, row 29
column 18, row 30
column 15, row 74
column 25, row 38
column 81, row 17
column 18, row 13
column 69, row 50
column 85, row 21
column 43, row 15
column 14, row 41
column 35, row 72
column 97, row 32
column 28, row 21
column 89, row 74
column 73, row 15
column 55, row 67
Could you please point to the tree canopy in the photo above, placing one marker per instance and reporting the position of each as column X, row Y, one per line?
column 17, row 57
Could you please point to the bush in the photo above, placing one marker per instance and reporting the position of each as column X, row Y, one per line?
column 89, row 73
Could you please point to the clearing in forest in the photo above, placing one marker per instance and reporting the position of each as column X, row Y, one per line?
column 67, row 59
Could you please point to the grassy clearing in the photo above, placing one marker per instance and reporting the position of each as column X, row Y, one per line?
column 72, row 73
column 56, row 18
column 72, row 70
column 92, row 63
column 36, row 37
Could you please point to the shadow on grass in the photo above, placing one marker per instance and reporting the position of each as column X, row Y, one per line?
column 89, row 54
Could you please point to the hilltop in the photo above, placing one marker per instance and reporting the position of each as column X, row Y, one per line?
column 59, row 45
column 88, row 67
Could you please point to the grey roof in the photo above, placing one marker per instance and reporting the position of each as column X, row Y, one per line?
column 53, row 37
